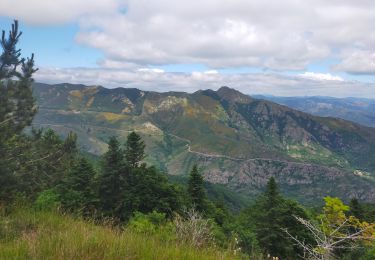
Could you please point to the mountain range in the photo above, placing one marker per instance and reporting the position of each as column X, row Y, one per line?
column 237, row 140
column 359, row 110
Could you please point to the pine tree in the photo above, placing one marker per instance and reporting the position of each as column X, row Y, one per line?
column 271, row 215
column 134, row 150
column 41, row 160
column 77, row 189
column 17, row 105
column 110, row 181
column 268, row 228
column 196, row 190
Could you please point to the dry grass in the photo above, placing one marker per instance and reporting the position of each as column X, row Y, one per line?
column 27, row 234
column 108, row 116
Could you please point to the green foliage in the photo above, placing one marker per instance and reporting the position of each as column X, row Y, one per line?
column 333, row 214
column 134, row 150
column 196, row 190
column 76, row 191
column 368, row 211
column 17, row 107
column 126, row 187
column 270, row 214
column 37, row 161
column 369, row 254
column 150, row 190
column 45, row 160
column 47, row 200
column 46, row 235
column 216, row 192
column 147, row 223
column 356, row 209
column 111, row 181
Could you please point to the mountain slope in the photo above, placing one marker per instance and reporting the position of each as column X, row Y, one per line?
column 239, row 141
column 358, row 110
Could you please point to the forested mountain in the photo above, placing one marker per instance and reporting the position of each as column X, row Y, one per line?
column 360, row 110
column 238, row 140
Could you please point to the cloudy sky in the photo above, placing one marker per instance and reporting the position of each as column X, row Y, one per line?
column 275, row 47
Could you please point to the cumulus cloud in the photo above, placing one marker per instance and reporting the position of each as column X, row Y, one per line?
column 357, row 62
column 320, row 76
column 249, row 83
column 269, row 34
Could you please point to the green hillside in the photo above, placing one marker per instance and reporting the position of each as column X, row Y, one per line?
column 238, row 141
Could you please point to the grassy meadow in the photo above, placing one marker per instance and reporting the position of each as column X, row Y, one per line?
column 31, row 234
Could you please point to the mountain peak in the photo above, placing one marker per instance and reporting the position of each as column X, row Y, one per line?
column 232, row 95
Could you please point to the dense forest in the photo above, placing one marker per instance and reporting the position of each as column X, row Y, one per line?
column 43, row 176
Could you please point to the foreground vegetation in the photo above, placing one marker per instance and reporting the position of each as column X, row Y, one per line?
column 32, row 234
column 119, row 207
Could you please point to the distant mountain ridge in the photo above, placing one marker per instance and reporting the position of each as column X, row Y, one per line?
column 360, row 110
column 238, row 140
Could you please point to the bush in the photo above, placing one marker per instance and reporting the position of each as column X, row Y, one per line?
column 154, row 223
column 193, row 229
column 146, row 223
column 47, row 200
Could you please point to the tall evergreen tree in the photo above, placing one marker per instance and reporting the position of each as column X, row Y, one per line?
column 17, row 106
column 17, row 103
column 196, row 190
column 45, row 160
column 134, row 150
column 110, row 181
column 77, row 191
column 268, row 227
column 271, row 214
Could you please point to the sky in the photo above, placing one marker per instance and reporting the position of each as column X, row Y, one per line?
column 269, row 47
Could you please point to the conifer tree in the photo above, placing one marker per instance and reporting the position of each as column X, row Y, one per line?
column 150, row 190
column 77, row 189
column 271, row 214
column 268, row 228
column 17, row 106
column 196, row 190
column 110, row 181
column 17, row 103
column 134, row 150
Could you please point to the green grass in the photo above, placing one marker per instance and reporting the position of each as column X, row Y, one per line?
column 29, row 234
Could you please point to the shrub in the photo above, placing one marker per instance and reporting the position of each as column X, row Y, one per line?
column 193, row 229
column 147, row 223
column 47, row 200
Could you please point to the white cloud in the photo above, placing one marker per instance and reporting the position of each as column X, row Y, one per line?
column 278, row 35
column 357, row 62
column 211, row 72
column 260, row 83
column 320, row 76
column 154, row 70
column 268, row 34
